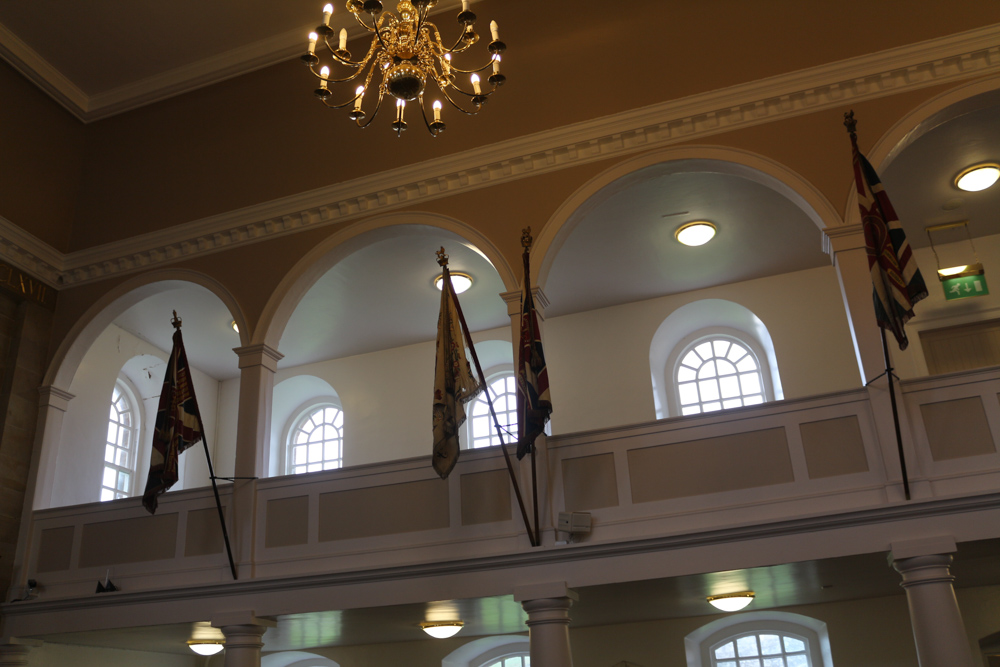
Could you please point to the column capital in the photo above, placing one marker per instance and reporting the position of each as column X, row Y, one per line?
column 513, row 301
column 925, row 546
column 547, row 590
column 242, row 629
column 259, row 354
column 843, row 237
column 54, row 397
column 14, row 650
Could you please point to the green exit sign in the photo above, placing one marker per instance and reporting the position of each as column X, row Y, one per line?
column 964, row 287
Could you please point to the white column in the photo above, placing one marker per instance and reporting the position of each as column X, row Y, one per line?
column 243, row 632
column 14, row 651
column 52, row 405
column 938, row 631
column 258, row 364
column 548, row 606
column 847, row 245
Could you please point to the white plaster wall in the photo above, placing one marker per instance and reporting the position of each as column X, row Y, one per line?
column 80, row 461
column 598, row 361
column 935, row 312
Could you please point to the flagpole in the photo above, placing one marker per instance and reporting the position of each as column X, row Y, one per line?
column 895, row 414
column 446, row 284
column 211, row 474
column 526, row 241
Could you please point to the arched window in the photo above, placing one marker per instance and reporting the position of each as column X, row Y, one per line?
column 316, row 440
column 519, row 660
column 761, row 649
column 718, row 372
column 482, row 432
column 496, row 651
column 760, row 639
column 121, row 447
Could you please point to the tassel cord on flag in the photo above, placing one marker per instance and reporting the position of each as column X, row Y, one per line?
column 489, row 402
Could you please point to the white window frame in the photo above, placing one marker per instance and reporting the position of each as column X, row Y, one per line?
column 467, row 439
column 128, row 392
column 299, row 416
column 700, row 643
column 487, row 650
column 691, row 341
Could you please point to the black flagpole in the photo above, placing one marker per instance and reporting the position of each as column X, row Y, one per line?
column 211, row 474
column 895, row 414
column 446, row 284
column 526, row 241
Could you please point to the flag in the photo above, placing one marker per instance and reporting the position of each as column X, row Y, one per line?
column 454, row 384
column 178, row 425
column 534, row 405
column 895, row 277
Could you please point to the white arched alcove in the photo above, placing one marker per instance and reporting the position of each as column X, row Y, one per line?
column 486, row 650
column 291, row 397
column 698, row 643
column 103, row 346
column 707, row 315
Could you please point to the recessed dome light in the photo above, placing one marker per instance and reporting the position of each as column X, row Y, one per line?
column 731, row 601
column 695, row 233
column 205, row 647
column 460, row 281
column 442, row 629
column 978, row 177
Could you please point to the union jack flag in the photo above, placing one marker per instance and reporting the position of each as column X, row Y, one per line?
column 896, row 278
column 534, row 404
column 178, row 425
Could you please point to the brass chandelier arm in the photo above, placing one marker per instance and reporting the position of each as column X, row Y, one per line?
column 339, row 106
column 329, row 79
column 346, row 62
column 378, row 105
column 472, row 71
column 456, row 104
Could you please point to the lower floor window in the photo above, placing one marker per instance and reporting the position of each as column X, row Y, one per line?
column 512, row 661
column 761, row 650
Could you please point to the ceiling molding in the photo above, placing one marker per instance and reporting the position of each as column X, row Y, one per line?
column 951, row 59
column 177, row 81
column 30, row 254
column 36, row 69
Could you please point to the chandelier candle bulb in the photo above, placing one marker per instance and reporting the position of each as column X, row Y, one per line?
column 465, row 5
column 327, row 13
column 343, row 39
column 496, row 64
column 475, row 84
column 324, row 72
column 447, row 64
column 400, row 105
column 313, row 37
column 437, row 111
column 360, row 93
column 495, row 29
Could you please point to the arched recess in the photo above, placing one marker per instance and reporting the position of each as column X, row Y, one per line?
column 697, row 643
column 323, row 257
column 930, row 114
column 486, row 650
column 746, row 164
column 707, row 315
column 116, row 301
column 292, row 396
column 90, row 332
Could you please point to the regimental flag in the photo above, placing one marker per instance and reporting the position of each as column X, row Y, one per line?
column 895, row 277
column 534, row 404
column 454, row 384
column 178, row 425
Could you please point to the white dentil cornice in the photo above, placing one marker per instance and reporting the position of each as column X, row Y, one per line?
column 946, row 60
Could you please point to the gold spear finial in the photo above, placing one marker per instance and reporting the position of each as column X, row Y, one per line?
column 849, row 122
column 176, row 321
column 442, row 257
column 526, row 238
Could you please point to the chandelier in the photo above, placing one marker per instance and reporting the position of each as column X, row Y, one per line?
column 406, row 53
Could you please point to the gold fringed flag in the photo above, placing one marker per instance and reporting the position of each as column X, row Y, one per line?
column 534, row 404
column 896, row 280
column 178, row 423
column 454, row 384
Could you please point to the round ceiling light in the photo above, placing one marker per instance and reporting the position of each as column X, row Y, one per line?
column 978, row 177
column 459, row 281
column 205, row 647
column 442, row 629
column 695, row 233
column 731, row 601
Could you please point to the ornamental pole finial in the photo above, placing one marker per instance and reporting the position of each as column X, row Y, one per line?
column 850, row 123
column 526, row 238
column 442, row 257
column 176, row 321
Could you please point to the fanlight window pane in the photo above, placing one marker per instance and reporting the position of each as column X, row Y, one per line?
column 503, row 391
column 726, row 651
column 763, row 649
column 747, row 646
column 718, row 374
column 770, row 645
column 317, row 443
column 792, row 645
column 116, row 479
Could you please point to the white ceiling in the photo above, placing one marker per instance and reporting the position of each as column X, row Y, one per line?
column 383, row 296
column 623, row 249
